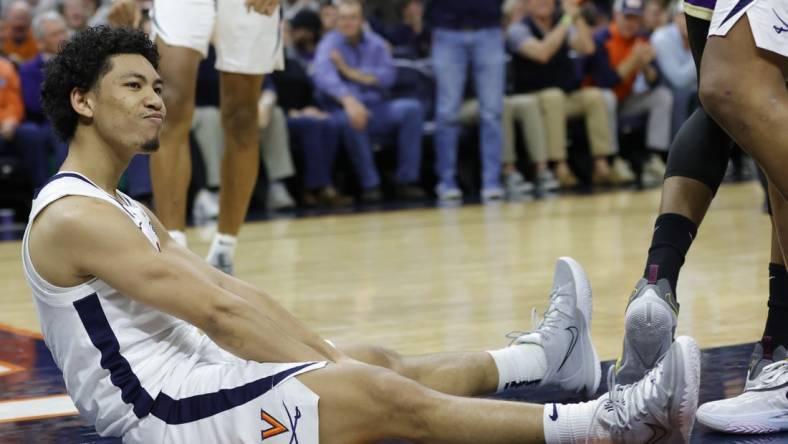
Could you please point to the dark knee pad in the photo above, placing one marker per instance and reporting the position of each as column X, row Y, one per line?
column 700, row 151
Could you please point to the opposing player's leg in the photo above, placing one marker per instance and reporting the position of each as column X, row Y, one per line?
column 751, row 104
column 558, row 352
column 695, row 169
column 360, row 403
column 763, row 405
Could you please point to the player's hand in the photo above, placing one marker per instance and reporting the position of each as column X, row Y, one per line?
column 357, row 113
column 125, row 13
column 265, row 7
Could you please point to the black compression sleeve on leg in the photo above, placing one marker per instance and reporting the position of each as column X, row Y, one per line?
column 700, row 151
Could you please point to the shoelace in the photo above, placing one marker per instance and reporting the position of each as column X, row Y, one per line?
column 773, row 374
column 549, row 322
column 629, row 402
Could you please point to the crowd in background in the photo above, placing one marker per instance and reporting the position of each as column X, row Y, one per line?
column 383, row 99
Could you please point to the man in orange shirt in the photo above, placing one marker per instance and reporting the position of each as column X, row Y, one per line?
column 624, row 62
column 16, row 141
column 19, row 44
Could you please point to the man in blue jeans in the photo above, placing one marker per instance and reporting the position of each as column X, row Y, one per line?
column 468, row 32
column 353, row 66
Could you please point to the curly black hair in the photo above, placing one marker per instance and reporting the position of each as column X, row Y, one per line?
column 80, row 63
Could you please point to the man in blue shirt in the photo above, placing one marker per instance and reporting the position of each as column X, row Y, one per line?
column 353, row 66
column 468, row 32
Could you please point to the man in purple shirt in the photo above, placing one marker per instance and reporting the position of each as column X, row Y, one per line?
column 353, row 66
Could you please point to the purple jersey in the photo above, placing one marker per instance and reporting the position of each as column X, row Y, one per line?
column 701, row 9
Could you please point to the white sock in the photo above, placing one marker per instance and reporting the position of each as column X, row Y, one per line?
column 573, row 423
column 179, row 237
column 221, row 244
column 519, row 364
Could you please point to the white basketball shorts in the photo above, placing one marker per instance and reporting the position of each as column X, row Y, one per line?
column 225, row 399
column 246, row 42
column 768, row 21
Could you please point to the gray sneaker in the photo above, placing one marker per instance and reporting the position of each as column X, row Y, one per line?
column 223, row 262
column 565, row 332
column 650, row 324
column 660, row 408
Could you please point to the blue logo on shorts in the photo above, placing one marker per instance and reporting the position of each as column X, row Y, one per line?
column 777, row 28
column 293, row 422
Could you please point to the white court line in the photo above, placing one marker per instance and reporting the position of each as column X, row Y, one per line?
column 36, row 408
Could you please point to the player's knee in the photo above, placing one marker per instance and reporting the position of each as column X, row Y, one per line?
column 238, row 116
column 718, row 95
column 402, row 401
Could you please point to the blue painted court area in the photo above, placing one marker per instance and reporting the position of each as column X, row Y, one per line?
column 27, row 371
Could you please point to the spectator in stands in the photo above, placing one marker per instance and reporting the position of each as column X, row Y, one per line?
column 655, row 16
column 541, row 45
column 354, row 69
column 19, row 44
column 624, row 61
column 328, row 16
column 293, row 7
column 411, row 37
column 312, row 131
column 49, row 30
column 77, row 13
column 467, row 33
column 676, row 65
column 15, row 140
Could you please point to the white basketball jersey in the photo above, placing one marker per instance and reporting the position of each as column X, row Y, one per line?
column 117, row 356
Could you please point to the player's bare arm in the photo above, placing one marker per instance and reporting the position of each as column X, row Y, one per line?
column 260, row 299
column 78, row 238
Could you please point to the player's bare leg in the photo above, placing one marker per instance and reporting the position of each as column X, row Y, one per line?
column 752, row 103
column 240, row 165
column 171, row 166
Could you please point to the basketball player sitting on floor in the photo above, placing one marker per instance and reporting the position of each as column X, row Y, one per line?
column 120, row 305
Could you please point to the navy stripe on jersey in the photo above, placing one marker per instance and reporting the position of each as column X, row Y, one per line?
column 171, row 411
column 60, row 176
column 738, row 7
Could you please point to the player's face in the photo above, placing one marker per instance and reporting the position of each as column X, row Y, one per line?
column 129, row 110
column 350, row 20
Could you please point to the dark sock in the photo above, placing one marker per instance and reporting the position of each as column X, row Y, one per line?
column 673, row 235
column 777, row 320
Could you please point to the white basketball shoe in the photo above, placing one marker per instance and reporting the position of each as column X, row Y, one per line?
column 763, row 407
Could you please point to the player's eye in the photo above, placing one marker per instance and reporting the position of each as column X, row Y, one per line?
column 158, row 90
column 134, row 85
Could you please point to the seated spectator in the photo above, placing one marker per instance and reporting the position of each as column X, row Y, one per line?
column 623, row 61
column 674, row 60
column 410, row 37
column 328, row 16
column 293, row 7
column 655, row 16
column 77, row 13
column 15, row 140
column 312, row 131
column 467, row 34
column 49, row 29
column 541, row 43
column 354, row 69
column 19, row 45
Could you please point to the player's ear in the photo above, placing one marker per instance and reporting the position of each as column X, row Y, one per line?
column 82, row 102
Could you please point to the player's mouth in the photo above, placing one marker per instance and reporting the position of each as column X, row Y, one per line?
column 156, row 117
